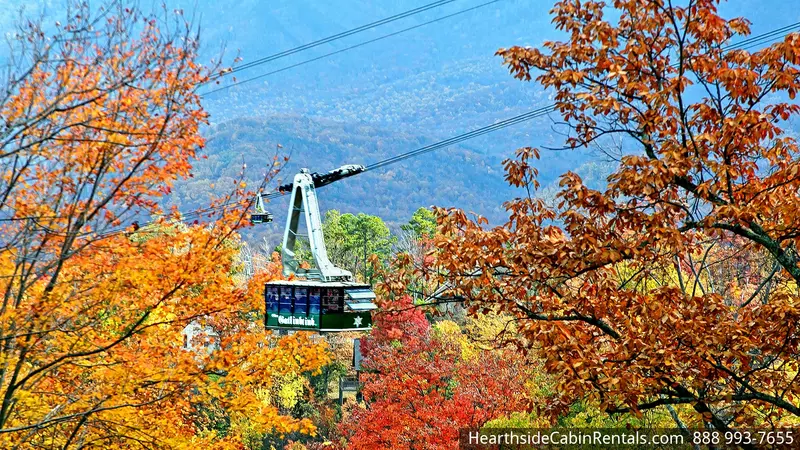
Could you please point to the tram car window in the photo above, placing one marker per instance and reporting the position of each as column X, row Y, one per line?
column 300, row 301
column 285, row 304
column 272, row 300
column 359, row 299
column 313, row 301
column 331, row 300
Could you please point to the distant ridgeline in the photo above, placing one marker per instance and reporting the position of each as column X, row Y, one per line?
column 464, row 176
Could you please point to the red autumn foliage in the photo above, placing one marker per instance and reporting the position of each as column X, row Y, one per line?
column 676, row 283
column 420, row 389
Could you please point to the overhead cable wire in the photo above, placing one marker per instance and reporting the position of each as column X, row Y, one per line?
column 782, row 32
column 335, row 37
column 403, row 156
column 465, row 136
column 361, row 44
column 314, row 44
column 745, row 44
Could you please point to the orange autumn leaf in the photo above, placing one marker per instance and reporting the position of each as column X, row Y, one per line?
column 99, row 120
column 676, row 283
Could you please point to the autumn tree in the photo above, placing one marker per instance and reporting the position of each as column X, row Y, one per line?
column 415, row 240
column 632, row 293
column 424, row 383
column 100, row 115
column 422, row 224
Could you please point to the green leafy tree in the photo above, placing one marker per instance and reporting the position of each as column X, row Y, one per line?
column 422, row 224
column 352, row 239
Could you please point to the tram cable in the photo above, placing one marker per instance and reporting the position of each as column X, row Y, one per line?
column 747, row 43
column 361, row 44
column 333, row 38
column 388, row 161
column 763, row 37
column 463, row 137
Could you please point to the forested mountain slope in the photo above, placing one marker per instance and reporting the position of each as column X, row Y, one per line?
column 380, row 99
column 457, row 176
column 466, row 175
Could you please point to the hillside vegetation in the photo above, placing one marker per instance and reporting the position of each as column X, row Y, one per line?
column 464, row 176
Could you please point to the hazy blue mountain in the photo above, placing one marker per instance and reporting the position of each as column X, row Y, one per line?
column 466, row 177
column 382, row 98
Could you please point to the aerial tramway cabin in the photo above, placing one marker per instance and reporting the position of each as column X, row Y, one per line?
column 328, row 299
column 318, row 306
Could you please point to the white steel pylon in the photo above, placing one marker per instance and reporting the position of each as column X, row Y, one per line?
column 303, row 201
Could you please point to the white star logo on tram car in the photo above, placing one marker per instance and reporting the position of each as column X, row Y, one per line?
column 357, row 321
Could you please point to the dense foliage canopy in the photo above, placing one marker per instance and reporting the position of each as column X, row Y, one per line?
column 677, row 282
column 658, row 289
column 99, row 120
